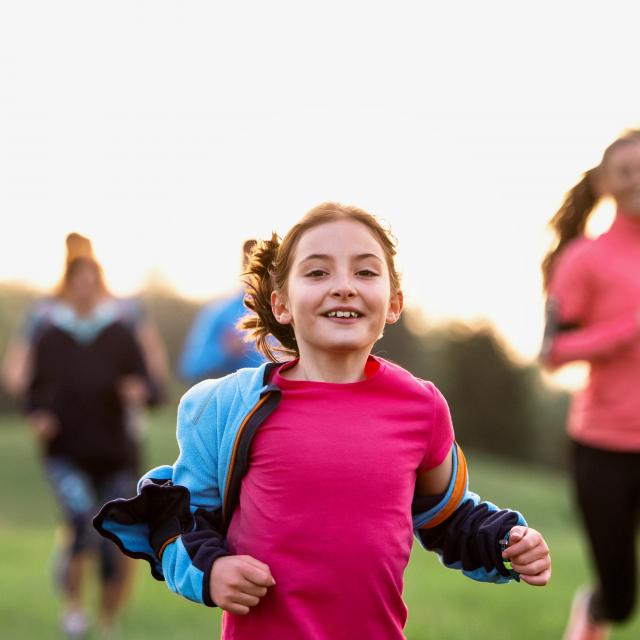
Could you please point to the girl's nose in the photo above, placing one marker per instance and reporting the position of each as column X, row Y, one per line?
column 343, row 288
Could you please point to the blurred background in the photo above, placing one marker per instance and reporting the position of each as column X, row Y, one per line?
column 170, row 133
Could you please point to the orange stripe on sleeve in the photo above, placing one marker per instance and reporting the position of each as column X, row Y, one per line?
column 459, row 489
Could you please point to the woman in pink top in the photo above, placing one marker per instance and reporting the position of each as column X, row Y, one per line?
column 593, row 315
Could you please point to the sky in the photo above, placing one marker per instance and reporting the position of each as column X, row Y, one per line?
column 170, row 132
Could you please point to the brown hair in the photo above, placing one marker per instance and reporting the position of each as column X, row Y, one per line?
column 269, row 267
column 571, row 218
column 78, row 246
column 79, row 254
column 247, row 248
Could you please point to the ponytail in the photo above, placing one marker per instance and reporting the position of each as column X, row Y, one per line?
column 260, row 281
column 571, row 218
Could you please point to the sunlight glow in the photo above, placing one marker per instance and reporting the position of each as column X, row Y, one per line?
column 173, row 147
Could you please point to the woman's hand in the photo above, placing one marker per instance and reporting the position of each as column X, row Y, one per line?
column 237, row 583
column 133, row 391
column 44, row 425
column 529, row 555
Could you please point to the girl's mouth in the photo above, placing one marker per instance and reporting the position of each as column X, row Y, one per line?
column 343, row 314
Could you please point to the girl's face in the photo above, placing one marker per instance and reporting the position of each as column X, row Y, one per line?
column 622, row 177
column 338, row 295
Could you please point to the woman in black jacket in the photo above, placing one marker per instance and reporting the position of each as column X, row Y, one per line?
column 88, row 376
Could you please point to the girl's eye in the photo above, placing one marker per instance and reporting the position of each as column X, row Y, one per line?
column 367, row 273
column 316, row 273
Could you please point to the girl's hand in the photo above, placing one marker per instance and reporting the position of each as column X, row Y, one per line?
column 237, row 583
column 529, row 555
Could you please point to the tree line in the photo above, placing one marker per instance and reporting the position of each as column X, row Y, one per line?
column 497, row 405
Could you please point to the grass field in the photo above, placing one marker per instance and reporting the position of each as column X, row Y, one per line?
column 442, row 604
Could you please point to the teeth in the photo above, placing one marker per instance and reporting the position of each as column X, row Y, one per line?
column 343, row 314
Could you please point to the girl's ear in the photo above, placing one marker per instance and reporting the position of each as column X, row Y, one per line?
column 396, row 304
column 280, row 307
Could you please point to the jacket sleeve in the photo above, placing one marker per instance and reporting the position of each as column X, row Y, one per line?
column 175, row 522
column 188, row 558
column 568, row 335
column 467, row 534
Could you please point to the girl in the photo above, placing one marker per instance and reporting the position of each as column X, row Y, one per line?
column 290, row 505
column 87, row 373
column 593, row 289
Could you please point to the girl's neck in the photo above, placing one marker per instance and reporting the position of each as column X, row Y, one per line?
column 329, row 367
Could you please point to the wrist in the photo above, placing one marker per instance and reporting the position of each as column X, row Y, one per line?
column 208, row 578
column 504, row 544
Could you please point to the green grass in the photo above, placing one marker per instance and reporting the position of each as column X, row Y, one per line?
column 442, row 604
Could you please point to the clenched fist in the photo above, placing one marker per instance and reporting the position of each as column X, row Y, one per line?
column 238, row 583
column 529, row 555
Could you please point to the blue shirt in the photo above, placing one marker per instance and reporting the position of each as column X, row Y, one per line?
column 214, row 347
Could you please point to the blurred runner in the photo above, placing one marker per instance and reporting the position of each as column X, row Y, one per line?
column 17, row 362
column 215, row 346
column 87, row 372
column 593, row 288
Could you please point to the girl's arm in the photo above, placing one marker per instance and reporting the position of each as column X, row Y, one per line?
column 175, row 521
column 195, row 560
column 473, row 536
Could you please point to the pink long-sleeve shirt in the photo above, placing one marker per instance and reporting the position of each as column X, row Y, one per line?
column 594, row 316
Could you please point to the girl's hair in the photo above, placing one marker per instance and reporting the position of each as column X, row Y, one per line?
column 571, row 218
column 269, row 266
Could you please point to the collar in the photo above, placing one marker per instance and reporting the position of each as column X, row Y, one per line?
column 83, row 329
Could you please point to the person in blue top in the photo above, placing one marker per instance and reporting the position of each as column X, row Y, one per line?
column 215, row 346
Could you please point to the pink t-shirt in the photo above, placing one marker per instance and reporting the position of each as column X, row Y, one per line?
column 595, row 288
column 326, row 503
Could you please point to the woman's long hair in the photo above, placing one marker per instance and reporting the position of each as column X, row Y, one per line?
column 79, row 253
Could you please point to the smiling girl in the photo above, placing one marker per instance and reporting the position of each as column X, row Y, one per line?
column 292, row 503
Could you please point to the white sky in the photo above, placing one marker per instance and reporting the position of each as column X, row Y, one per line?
column 169, row 132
